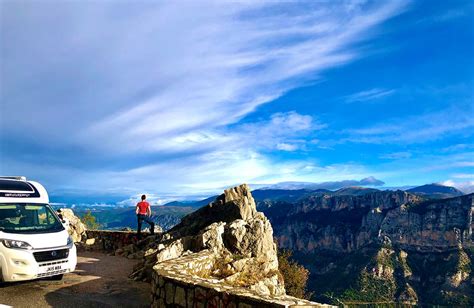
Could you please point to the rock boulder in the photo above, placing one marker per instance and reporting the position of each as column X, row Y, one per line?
column 76, row 229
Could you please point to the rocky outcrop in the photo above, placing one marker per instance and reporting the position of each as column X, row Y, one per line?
column 75, row 228
column 237, row 239
column 235, row 203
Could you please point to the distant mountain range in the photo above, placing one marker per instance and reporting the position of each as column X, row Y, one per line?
column 436, row 191
column 369, row 181
column 290, row 190
column 117, row 217
column 429, row 191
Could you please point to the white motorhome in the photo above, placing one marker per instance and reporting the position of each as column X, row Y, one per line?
column 33, row 241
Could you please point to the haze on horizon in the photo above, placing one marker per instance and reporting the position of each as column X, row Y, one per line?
column 185, row 98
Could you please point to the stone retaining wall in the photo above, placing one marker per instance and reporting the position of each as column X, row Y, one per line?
column 171, row 292
column 109, row 241
column 182, row 282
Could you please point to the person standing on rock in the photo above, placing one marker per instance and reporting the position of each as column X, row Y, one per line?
column 143, row 211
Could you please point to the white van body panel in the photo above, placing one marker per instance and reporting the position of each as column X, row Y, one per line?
column 43, row 198
column 19, row 264
column 50, row 253
column 40, row 240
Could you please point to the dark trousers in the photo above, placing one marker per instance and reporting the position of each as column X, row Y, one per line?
column 140, row 219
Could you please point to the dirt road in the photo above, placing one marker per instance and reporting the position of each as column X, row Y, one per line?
column 99, row 281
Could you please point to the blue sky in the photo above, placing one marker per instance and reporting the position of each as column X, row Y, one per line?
column 102, row 101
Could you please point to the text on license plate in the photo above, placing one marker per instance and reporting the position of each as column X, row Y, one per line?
column 53, row 268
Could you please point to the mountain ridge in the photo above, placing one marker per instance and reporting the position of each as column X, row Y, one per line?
column 436, row 190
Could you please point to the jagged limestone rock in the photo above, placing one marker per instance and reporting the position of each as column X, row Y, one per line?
column 253, row 238
column 237, row 242
column 234, row 203
column 75, row 228
column 211, row 237
column 172, row 251
column 241, row 197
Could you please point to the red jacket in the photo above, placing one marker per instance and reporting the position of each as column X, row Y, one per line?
column 143, row 207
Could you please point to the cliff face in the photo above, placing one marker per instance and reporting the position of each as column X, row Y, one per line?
column 347, row 223
column 339, row 223
column 437, row 225
column 380, row 246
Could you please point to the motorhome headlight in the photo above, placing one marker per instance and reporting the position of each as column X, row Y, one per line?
column 15, row 244
column 70, row 242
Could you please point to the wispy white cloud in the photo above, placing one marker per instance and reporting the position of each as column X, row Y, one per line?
column 368, row 95
column 463, row 175
column 447, row 16
column 396, row 155
column 465, row 163
column 457, row 147
column 459, row 161
column 171, row 81
column 418, row 128
column 466, row 187
column 451, row 14
column 287, row 147
column 280, row 132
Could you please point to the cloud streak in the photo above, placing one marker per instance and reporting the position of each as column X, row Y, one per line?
column 368, row 95
column 396, row 155
column 418, row 128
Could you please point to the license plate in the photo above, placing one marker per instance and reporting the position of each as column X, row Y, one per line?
column 53, row 268
column 50, row 269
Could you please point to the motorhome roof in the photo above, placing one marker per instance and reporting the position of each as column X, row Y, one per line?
column 13, row 189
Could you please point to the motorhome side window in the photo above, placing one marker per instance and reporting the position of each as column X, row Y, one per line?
column 27, row 218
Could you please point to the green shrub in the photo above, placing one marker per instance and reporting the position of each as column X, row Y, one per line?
column 89, row 220
column 294, row 275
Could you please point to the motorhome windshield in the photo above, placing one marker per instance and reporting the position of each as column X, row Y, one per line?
column 28, row 218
